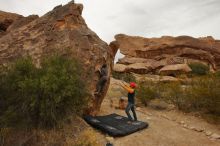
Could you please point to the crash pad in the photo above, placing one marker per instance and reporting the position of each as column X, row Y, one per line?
column 115, row 125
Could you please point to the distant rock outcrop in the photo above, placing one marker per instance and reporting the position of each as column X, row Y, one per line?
column 155, row 53
column 175, row 69
column 63, row 31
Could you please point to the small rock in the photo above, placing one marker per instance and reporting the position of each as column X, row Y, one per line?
column 150, row 114
column 138, row 108
column 173, row 120
column 185, row 126
column 165, row 116
column 148, row 118
column 208, row 133
column 215, row 136
column 191, row 128
column 196, row 129
column 182, row 122
column 110, row 139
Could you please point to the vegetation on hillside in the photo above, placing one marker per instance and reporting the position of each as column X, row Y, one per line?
column 202, row 94
column 41, row 97
column 127, row 77
column 199, row 69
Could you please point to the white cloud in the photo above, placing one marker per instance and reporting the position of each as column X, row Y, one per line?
column 149, row 18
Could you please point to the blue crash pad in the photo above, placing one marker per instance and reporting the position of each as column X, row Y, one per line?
column 115, row 125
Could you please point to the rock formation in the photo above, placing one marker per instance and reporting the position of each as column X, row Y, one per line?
column 175, row 69
column 63, row 31
column 6, row 19
column 151, row 54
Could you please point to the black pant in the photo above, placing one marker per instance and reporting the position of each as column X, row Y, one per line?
column 129, row 107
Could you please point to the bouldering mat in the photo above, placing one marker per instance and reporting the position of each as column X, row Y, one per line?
column 115, row 125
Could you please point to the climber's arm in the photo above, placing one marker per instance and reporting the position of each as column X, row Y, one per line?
column 129, row 89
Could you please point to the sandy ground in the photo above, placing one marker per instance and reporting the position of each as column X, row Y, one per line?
column 166, row 127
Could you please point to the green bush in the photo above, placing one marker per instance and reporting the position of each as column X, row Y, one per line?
column 205, row 93
column 217, row 74
column 127, row 77
column 177, row 94
column 147, row 91
column 199, row 68
column 41, row 97
column 201, row 95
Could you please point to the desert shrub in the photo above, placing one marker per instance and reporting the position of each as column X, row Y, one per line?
column 176, row 94
column 147, row 91
column 199, row 68
column 217, row 74
column 202, row 94
column 205, row 93
column 87, row 138
column 41, row 97
column 127, row 77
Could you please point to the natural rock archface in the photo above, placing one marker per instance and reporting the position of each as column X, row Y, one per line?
column 63, row 31
column 159, row 52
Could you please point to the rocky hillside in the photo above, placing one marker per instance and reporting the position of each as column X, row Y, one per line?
column 6, row 19
column 60, row 31
column 144, row 55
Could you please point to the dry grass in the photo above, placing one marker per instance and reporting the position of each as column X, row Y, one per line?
column 201, row 95
column 74, row 132
column 87, row 138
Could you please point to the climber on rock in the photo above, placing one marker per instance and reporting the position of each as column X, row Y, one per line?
column 103, row 72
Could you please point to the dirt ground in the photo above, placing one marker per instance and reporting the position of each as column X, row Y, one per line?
column 166, row 127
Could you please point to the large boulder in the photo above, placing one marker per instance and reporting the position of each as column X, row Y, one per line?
column 175, row 69
column 121, row 68
column 62, row 31
column 168, row 50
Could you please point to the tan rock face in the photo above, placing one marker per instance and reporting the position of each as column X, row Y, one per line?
column 159, row 52
column 63, row 31
column 175, row 69
column 21, row 22
column 6, row 19
column 120, row 68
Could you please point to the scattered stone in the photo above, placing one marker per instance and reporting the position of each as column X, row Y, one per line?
column 170, row 107
column 208, row 133
column 196, row 129
column 185, row 126
column 110, row 139
column 148, row 118
column 165, row 117
column 182, row 122
column 150, row 114
column 122, row 103
column 191, row 128
column 215, row 136
column 138, row 108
